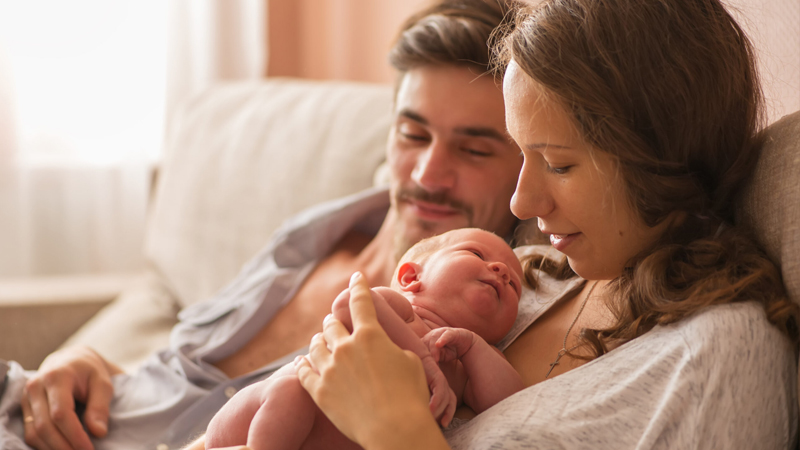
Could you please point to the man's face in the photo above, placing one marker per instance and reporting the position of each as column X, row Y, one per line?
column 453, row 165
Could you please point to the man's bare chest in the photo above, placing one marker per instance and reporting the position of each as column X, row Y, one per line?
column 294, row 324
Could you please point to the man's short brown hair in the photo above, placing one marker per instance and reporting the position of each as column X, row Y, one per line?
column 457, row 32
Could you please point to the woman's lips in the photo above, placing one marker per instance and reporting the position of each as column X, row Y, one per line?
column 561, row 241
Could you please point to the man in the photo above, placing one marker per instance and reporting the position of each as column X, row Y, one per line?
column 452, row 166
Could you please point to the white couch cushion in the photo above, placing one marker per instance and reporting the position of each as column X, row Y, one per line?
column 770, row 205
column 241, row 158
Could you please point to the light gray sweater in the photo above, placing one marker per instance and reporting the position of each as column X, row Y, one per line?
column 722, row 379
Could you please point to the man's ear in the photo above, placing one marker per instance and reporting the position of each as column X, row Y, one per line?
column 408, row 277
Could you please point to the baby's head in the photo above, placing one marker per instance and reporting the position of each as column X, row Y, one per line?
column 466, row 278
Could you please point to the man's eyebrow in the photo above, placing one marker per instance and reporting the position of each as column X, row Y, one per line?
column 416, row 117
column 487, row 132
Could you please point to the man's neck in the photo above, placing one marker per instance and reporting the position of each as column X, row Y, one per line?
column 377, row 259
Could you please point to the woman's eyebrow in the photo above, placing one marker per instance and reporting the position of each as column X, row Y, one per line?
column 541, row 145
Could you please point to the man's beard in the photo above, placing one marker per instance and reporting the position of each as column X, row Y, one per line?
column 403, row 241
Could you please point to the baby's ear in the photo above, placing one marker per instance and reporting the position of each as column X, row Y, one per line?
column 408, row 277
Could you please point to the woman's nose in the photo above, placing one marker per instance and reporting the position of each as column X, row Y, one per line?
column 434, row 169
column 531, row 198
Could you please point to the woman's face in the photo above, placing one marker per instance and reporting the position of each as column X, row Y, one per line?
column 576, row 193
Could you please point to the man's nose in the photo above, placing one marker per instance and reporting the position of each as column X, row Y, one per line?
column 531, row 198
column 434, row 169
column 500, row 269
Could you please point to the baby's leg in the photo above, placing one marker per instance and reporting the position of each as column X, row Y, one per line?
column 231, row 423
column 285, row 417
column 276, row 413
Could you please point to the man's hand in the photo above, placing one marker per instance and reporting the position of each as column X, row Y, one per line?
column 48, row 402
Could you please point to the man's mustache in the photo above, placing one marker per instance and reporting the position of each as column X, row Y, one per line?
column 437, row 198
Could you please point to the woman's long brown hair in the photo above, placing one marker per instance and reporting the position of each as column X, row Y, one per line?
column 670, row 90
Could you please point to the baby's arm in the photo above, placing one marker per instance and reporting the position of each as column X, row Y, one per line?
column 394, row 314
column 490, row 377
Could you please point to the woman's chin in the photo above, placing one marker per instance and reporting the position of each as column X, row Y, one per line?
column 592, row 270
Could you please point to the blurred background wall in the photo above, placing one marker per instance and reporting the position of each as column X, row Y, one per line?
column 87, row 88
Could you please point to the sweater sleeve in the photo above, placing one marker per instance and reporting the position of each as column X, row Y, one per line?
column 743, row 380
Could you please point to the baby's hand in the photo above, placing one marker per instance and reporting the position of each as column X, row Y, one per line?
column 443, row 399
column 449, row 344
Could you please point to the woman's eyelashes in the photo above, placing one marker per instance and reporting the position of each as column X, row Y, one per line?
column 558, row 170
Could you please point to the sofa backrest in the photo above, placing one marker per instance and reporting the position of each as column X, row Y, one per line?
column 770, row 204
column 242, row 157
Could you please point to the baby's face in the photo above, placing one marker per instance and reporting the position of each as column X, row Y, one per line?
column 473, row 281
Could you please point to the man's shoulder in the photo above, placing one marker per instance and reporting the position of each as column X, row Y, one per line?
column 354, row 209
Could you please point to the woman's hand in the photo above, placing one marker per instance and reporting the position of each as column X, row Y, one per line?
column 373, row 391
column 200, row 444
column 49, row 399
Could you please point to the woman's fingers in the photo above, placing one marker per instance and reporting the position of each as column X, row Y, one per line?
column 200, row 444
column 363, row 382
column 333, row 331
column 308, row 377
column 319, row 354
column 362, row 310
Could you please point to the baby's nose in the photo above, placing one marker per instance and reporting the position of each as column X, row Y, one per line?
column 501, row 269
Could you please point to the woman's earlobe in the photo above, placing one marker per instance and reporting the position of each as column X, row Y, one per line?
column 408, row 277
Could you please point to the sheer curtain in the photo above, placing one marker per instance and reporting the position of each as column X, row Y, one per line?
column 774, row 28
column 211, row 41
column 85, row 87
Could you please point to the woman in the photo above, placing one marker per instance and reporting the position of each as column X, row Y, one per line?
column 663, row 326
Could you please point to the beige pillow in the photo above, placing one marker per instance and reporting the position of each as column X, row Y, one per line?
column 770, row 205
column 241, row 158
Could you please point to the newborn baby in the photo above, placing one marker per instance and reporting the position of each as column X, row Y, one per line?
column 451, row 296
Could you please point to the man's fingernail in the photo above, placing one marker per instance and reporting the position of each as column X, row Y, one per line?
column 101, row 426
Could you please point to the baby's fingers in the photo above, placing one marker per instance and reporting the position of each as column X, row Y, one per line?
column 443, row 404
